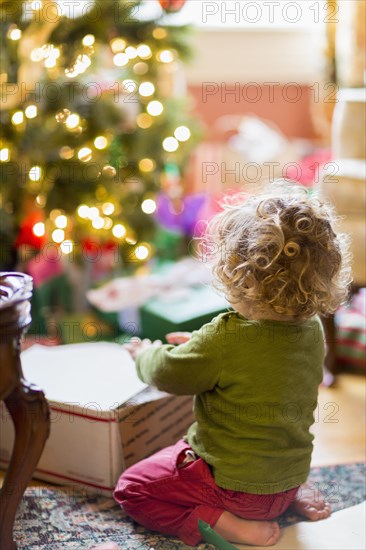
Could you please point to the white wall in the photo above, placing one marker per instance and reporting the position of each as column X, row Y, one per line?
column 251, row 55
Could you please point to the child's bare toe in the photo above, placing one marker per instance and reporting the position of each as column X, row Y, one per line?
column 274, row 535
column 314, row 514
column 311, row 505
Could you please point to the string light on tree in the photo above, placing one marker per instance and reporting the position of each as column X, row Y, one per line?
column 142, row 252
column 166, row 56
column 82, row 63
column 148, row 206
column 155, row 108
column 108, row 208
column 119, row 231
column 88, row 40
column 54, row 52
column 61, row 221
column 44, row 50
column 100, row 142
column 17, row 118
column 35, row 173
column 72, row 121
column 62, row 115
column 31, row 111
column 118, row 45
column 50, row 55
column 63, row 130
column 83, row 211
column 108, row 223
column 66, row 152
column 36, row 5
column 93, row 213
column 54, row 214
column 147, row 165
column 67, row 247
column 170, row 144
column 120, row 59
column 50, row 62
column 182, row 133
column 39, row 229
column 85, row 154
column 109, row 171
column 71, row 73
column 140, row 68
column 41, row 200
column 98, row 223
column 4, row 154
column 159, row 33
column 144, row 121
column 58, row 235
column 144, row 51
column 129, row 86
column 14, row 33
column 36, row 55
column 146, row 89
column 131, row 52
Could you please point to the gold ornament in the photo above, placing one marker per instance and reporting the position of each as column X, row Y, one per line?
column 109, row 171
column 62, row 115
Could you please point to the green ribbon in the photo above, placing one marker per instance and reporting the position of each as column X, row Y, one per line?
column 212, row 537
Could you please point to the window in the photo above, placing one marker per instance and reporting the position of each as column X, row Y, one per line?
column 256, row 14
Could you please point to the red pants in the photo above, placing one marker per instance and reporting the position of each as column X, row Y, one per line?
column 163, row 494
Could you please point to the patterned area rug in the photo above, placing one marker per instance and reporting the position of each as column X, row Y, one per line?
column 65, row 518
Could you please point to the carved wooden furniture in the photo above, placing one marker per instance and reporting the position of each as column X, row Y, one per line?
column 25, row 402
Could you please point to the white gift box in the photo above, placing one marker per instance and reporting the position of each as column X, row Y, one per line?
column 103, row 418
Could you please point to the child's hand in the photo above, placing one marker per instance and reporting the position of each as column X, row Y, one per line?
column 136, row 346
column 178, row 337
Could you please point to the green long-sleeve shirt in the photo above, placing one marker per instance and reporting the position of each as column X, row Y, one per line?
column 255, row 387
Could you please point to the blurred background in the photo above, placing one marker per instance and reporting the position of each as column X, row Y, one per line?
column 123, row 124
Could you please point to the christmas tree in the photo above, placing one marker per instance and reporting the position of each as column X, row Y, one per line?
column 94, row 123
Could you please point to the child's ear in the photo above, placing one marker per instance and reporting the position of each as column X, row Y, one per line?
column 249, row 280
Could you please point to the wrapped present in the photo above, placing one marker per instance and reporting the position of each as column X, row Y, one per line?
column 186, row 310
column 351, row 333
column 55, row 293
column 119, row 302
column 103, row 418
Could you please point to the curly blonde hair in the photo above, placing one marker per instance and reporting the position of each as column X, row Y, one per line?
column 280, row 252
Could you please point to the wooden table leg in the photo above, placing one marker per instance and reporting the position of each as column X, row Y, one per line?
column 30, row 414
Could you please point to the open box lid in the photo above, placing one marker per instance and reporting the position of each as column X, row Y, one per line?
column 98, row 376
column 187, row 304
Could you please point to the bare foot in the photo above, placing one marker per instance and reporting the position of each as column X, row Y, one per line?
column 311, row 503
column 244, row 531
column 106, row 546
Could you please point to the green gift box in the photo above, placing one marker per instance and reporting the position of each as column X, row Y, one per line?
column 185, row 313
column 54, row 294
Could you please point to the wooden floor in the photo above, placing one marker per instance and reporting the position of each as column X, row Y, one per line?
column 340, row 424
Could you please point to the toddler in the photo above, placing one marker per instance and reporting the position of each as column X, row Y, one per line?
column 254, row 372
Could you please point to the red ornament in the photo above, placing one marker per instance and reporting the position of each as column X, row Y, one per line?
column 172, row 6
column 26, row 235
